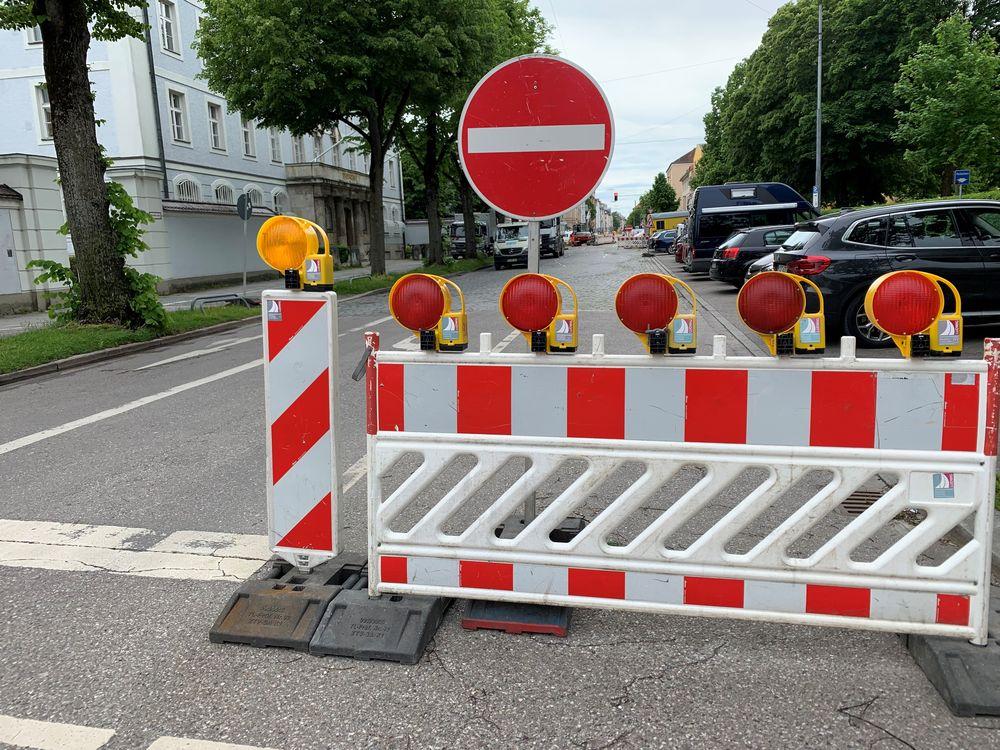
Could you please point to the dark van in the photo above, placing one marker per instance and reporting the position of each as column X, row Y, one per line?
column 720, row 211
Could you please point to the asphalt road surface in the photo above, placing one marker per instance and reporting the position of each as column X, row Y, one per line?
column 133, row 505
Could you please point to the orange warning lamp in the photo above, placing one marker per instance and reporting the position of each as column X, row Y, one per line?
column 909, row 306
column 426, row 304
column 647, row 305
column 292, row 246
column 773, row 305
column 533, row 304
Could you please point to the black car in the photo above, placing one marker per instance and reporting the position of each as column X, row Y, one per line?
column 663, row 241
column 733, row 256
column 956, row 239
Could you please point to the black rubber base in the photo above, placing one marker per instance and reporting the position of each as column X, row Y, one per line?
column 515, row 618
column 285, row 611
column 564, row 532
column 966, row 676
column 391, row 628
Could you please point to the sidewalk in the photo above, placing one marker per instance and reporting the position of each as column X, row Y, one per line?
column 11, row 324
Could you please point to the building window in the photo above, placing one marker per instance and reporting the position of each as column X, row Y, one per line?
column 280, row 201
column 249, row 138
column 224, row 193
column 34, row 34
column 392, row 173
column 44, row 112
column 256, row 197
column 275, row 138
column 298, row 150
column 216, row 126
column 352, row 161
column 168, row 27
column 178, row 116
column 188, row 190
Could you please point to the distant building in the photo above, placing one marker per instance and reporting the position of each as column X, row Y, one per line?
column 679, row 174
column 181, row 153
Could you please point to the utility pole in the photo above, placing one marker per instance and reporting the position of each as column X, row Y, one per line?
column 819, row 110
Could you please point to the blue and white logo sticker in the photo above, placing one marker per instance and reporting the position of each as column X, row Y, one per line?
column 312, row 270
column 683, row 331
column 944, row 486
column 564, row 332
column 809, row 331
column 948, row 332
column 449, row 328
column 274, row 310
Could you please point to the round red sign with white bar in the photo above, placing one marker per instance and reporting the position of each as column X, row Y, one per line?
column 536, row 137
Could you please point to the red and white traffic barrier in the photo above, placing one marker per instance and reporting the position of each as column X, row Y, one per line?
column 300, row 386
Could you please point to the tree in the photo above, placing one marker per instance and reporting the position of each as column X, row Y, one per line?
column 950, row 107
column 308, row 64
column 104, row 294
column 661, row 197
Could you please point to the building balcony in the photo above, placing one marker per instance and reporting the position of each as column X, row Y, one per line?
column 318, row 172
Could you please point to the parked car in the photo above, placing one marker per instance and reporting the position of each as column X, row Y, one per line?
column 844, row 254
column 731, row 259
column 720, row 211
column 663, row 242
column 680, row 245
column 581, row 237
column 653, row 236
column 762, row 264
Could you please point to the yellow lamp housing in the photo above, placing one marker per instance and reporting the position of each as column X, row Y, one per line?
column 920, row 328
column 682, row 333
column 809, row 334
column 433, row 308
column 292, row 246
column 561, row 335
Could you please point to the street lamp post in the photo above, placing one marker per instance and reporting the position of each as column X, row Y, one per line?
column 819, row 109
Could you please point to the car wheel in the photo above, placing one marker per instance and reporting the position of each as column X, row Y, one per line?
column 499, row 266
column 857, row 324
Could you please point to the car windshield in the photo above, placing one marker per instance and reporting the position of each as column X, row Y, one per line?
column 736, row 240
column 457, row 230
column 512, row 233
column 798, row 239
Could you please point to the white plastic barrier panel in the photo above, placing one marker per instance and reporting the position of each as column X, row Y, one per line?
column 300, row 389
column 917, row 427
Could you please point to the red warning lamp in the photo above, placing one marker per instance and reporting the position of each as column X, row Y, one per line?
column 532, row 303
column 647, row 305
column 773, row 305
column 417, row 302
column 770, row 303
column 909, row 306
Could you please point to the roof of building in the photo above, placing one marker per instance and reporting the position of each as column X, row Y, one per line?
column 688, row 158
column 6, row 191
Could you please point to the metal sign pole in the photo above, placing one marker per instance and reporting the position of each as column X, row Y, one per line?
column 244, row 252
column 534, row 245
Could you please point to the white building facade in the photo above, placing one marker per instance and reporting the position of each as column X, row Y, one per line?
column 182, row 154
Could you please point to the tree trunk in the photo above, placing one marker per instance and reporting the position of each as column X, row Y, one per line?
column 104, row 290
column 432, row 190
column 468, row 207
column 376, row 171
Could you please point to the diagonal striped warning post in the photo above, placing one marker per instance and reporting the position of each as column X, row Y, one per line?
column 303, row 477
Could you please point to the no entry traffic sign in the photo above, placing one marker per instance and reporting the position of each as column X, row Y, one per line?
column 536, row 137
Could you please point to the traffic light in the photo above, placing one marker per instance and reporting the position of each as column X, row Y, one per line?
column 616, row 196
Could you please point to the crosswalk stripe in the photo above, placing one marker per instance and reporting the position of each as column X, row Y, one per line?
column 49, row 735
column 178, row 743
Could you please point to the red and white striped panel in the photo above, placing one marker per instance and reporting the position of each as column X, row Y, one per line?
column 918, row 409
column 303, row 484
column 786, row 600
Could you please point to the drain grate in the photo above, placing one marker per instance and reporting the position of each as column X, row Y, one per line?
column 860, row 501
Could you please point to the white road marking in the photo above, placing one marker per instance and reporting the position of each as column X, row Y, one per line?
column 508, row 339
column 409, row 344
column 186, row 555
column 48, row 735
column 201, row 352
column 354, row 474
column 37, row 437
column 529, row 138
column 178, row 743
column 368, row 325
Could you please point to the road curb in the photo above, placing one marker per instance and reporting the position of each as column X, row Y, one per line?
column 103, row 355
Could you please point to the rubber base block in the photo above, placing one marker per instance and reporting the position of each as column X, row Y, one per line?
column 966, row 676
column 564, row 532
column 285, row 611
column 515, row 618
column 390, row 628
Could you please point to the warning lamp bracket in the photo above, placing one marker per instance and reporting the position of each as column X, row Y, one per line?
column 292, row 279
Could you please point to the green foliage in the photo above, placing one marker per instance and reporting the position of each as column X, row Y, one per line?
column 950, row 107
column 110, row 19
column 762, row 123
column 127, row 221
column 660, row 197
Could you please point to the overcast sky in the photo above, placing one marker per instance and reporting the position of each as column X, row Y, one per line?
column 623, row 43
